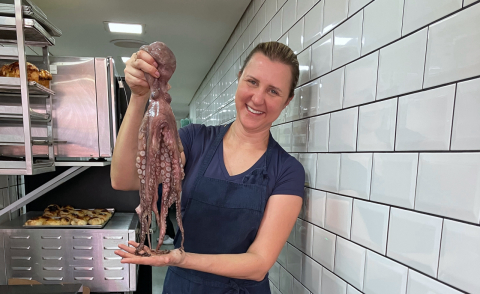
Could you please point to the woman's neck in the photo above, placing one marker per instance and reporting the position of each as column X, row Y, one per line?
column 238, row 136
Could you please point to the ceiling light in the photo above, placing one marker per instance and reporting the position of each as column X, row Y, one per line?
column 125, row 28
column 125, row 59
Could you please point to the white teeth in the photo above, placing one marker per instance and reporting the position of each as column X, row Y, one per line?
column 254, row 111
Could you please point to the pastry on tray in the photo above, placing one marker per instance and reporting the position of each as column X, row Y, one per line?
column 56, row 215
column 12, row 70
column 42, row 77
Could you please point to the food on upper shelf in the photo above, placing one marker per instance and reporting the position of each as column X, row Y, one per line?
column 45, row 78
column 12, row 70
column 67, row 215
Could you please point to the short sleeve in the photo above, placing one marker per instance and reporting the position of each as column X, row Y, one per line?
column 291, row 179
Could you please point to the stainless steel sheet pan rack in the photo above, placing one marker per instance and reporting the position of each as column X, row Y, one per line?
column 36, row 121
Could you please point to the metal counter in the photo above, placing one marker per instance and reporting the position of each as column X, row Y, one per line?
column 53, row 256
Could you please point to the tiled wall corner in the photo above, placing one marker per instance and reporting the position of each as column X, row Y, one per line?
column 386, row 122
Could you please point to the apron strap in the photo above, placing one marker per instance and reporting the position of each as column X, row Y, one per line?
column 210, row 153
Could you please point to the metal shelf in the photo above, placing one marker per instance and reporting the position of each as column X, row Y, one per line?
column 20, row 167
column 34, row 117
column 35, row 141
column 82, row 163
column 35, row 34
column 12, row 86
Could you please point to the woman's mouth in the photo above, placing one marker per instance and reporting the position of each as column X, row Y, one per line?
column 253, row 110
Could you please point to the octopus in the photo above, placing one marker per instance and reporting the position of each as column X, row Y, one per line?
column 159, row 152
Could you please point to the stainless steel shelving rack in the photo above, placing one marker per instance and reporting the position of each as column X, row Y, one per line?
column 25, row 32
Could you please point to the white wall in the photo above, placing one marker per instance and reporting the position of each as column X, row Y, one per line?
column 386, row 121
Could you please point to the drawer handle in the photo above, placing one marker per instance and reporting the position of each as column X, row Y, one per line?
column 84, row 268
column 113, row 237
column 23, row 278
column 22, row 268
column 82, row 237
column 112, row 258
column 19, row 237
column 52, row 247
column 52, row 237
column 113, row 278
column 83, row 247
column 113, row 268
column 53, row 278
column 84, row 278
column 21, row 247
column 82, row 258
column 111, row 248
column 21, row 257
column 53, row 268
column 52, row 258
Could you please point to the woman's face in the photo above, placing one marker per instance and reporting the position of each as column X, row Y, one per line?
column 262, row 92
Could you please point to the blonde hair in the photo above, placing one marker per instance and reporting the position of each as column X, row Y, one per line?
column 276, row 51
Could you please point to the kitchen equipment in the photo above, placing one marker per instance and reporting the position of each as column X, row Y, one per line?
column 64, row 255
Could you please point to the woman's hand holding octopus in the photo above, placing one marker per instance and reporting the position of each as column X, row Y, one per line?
column 140, row 63
column 175, row 257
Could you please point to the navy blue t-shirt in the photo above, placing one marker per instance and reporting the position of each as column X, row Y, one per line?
column 286, row 175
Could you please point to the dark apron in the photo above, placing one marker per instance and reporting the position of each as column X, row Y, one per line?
column 221, row 217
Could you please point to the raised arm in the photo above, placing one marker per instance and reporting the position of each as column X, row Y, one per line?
column 123, row 173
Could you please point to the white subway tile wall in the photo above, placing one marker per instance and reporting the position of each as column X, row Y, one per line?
column 425, row 120
column 347, row 41
column 409, row 233
column 361, row 81
column 401, row 66
column 376, row 126
column 388, row 130
column 350, row 262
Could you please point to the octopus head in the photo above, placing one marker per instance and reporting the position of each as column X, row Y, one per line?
column 167, row 64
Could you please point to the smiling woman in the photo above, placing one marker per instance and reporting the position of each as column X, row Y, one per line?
column 241, row 193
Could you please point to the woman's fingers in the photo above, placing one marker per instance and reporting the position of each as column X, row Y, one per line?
column 146, row 63
column 133, row 243
column 133, row 81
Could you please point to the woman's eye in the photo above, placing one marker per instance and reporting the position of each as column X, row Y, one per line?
column 274, row 92
column 252, row 82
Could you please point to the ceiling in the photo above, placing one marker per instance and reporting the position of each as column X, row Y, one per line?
column 195, row 30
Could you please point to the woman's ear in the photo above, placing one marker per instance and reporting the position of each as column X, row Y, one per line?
column 288, row 101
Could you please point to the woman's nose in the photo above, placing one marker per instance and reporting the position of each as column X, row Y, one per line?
column 258, row 97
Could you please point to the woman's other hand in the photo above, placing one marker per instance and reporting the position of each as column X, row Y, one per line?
column 175, row 257
column 140, row 63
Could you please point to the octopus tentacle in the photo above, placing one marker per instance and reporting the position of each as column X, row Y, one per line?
column 141, row 161
column 159, row 150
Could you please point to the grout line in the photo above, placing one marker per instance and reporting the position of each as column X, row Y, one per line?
column 388, row 229
column 403, row 16
column 396, row 124
column 453, row 116
column 440, row 248
column 425, row 60
column 416, row 182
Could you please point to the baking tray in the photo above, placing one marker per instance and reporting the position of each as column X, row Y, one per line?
column 35, row 34
column 31, row 12
column 12, row 85
column 112, row 210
